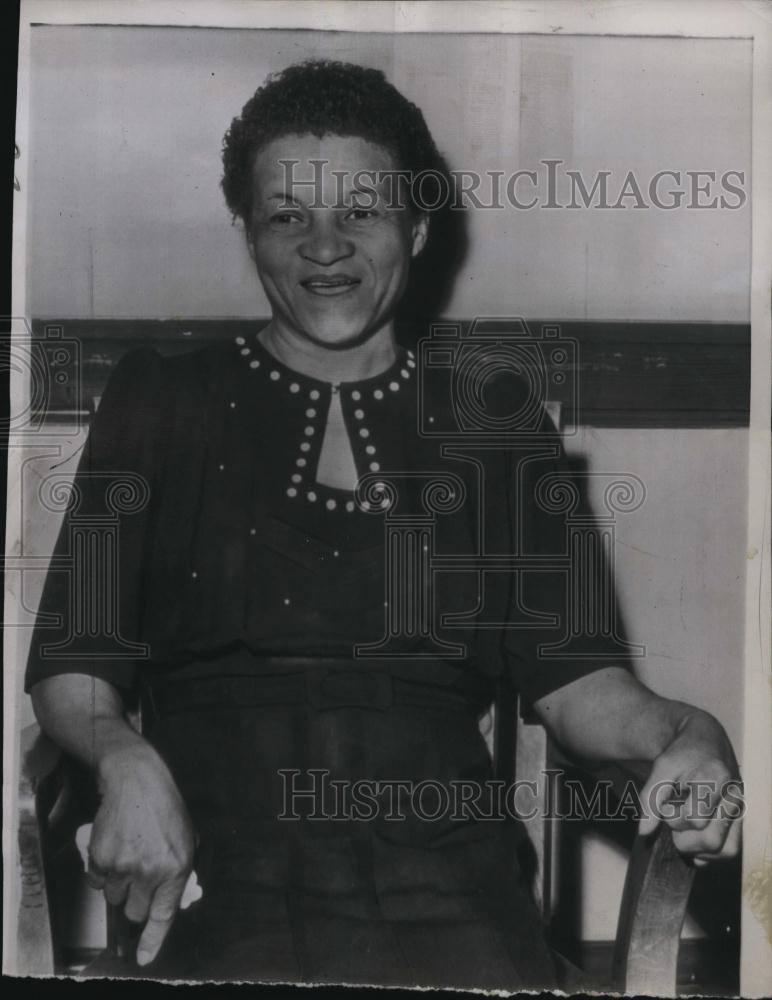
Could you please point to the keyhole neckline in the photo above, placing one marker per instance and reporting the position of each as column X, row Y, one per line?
column 259, row 359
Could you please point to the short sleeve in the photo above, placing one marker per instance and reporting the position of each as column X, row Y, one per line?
column 564, row 622
column 88, row 620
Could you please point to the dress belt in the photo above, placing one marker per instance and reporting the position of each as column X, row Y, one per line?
column 322, row 683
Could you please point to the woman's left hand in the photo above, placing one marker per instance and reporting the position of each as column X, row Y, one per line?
column 694, row 787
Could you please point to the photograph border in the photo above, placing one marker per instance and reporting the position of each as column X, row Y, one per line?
column 684, row 18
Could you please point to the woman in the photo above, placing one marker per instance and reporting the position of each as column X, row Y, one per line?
column 255, row 577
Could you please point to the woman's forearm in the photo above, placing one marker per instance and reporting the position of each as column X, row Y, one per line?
column 142, row 840
column 609, row 715
column 85, row 717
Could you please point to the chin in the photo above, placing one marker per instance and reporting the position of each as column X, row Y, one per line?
column 337, row 337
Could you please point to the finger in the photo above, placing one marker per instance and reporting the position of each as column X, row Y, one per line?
column 138, row 901
column 115, row 888
column 729, row 850
column 733, row 841
column 162, row 913
column 708, row 841
column 733, row 800
column 99, row 858
column 701, row 805
column 95, row 878
column 698, row 803
column 659, row 789
column 96, row 875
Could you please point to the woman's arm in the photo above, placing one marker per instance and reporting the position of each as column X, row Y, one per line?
column 142, row 842
column 609, row 715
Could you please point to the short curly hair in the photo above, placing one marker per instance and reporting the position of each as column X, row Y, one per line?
column 323, row 97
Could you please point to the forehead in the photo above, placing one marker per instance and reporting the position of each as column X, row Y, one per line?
column 329, row 160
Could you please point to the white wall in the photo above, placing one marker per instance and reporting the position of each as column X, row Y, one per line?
column 127, row 218
column 680, row 564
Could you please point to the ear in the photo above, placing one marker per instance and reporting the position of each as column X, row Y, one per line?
column 420, row 233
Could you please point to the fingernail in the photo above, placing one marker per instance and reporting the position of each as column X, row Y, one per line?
column 143, row 957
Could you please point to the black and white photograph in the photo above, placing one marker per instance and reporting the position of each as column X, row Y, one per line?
column 387, row 571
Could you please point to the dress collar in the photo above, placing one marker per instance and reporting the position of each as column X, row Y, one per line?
column 266, row 366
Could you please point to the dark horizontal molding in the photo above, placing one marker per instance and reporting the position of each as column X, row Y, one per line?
column 625, row 374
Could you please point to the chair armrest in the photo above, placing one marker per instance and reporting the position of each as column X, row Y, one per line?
column 653, row 908
column 654, row 899
column 40, row 759
column 651, row 915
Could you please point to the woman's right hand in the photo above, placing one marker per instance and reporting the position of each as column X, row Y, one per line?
column 142, row 842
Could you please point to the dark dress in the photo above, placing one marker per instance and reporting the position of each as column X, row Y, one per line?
column 273, row 647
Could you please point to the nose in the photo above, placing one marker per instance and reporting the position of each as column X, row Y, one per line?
column 325, row 244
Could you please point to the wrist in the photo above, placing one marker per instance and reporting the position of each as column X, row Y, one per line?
column 701, row 727
column 118, row 750
column 663, row 722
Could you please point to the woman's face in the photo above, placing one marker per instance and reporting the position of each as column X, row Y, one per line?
column 333, row 255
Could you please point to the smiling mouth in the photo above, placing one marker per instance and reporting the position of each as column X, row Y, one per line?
column 332, row 284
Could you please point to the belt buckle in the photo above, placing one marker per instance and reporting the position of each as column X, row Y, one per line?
column 349, row 689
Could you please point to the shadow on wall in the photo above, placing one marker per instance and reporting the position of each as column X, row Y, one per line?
column 434, row 272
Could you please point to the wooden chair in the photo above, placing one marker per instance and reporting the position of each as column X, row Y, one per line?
column 658, row 881
column 652, row 911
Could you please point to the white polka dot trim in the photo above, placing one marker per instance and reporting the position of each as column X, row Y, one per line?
column 378, row 394
column 331, row 505
column 359, row 414
column 292, row 492
column 370, row 449
column 311, row 496
column 363, row 432
column 275, row 376
column 240, row 341
column 305, row 446
column 356, row 395
column 313, row 394
column 294, row 387
column 394, row 386
column 254, row 364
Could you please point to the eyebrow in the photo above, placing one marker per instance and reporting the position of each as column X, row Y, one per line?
column 286, row 198
column 282, row 196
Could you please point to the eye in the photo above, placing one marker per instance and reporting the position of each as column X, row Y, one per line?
column 285, row 218
column 361, row 214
